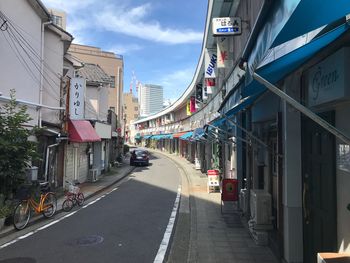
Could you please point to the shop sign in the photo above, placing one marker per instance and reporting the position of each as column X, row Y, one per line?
column 229, row 190
column 210, row 60
column 326, row 81
column 77, row 98
column 224, row 52
column 223, row 26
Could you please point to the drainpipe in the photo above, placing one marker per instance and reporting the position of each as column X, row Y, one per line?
column 47, row 158
column 42, row 68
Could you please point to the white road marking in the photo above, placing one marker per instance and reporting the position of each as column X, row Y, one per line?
column 166, row 238
column 53, row 222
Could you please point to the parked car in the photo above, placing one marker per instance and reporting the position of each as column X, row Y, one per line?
column 139, row 156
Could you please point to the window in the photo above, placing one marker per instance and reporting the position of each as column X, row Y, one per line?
column 136, row 108
column 113, row 82
column 57, row 20
column 136, row 116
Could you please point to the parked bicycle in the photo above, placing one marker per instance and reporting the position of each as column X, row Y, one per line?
column 46, row 204
column 73, row 196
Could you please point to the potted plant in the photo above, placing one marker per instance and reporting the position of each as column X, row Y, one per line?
column 5, row 211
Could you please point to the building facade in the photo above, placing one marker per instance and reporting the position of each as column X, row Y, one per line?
column 113, row 65
column 150, row 99
column 131, row 112
column 273, row 120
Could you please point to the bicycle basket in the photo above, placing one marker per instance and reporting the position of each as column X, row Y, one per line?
column 23, row 192
column 73, row 189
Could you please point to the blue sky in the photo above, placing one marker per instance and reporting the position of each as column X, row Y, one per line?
column 160, row 40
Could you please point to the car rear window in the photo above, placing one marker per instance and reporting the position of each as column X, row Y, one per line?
column 140, row 153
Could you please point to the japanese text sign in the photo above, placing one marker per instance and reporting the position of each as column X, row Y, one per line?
column 77, row 98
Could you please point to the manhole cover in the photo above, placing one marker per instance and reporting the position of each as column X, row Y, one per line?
column 18, row 260
column 89, row 240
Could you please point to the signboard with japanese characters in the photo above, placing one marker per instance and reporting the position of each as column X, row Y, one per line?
column 223, row 26
column 76, row 98
column 224, row 52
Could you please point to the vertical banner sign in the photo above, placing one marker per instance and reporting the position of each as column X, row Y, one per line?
column 224, row 52
column 210, row 60
column 76, row 98
column 188, row 108
column 193, row 104
column 205, row 93
column 199, row 92
column 210, row 84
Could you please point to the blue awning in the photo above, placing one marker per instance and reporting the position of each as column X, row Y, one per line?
column 186, row 136
column 289, row 19
column 198, row 134
column 147, row 136
column 281, row 67
column 138, row 136
column 230, row 108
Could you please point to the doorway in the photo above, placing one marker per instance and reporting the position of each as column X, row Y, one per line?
column 319, row 188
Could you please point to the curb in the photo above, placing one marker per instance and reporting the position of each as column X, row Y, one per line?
column 38, row 218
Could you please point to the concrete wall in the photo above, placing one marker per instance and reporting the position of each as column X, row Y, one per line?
column 343, row 182
column 53, row 69
column 96, row 107
column 14, row 75
column 292, row 179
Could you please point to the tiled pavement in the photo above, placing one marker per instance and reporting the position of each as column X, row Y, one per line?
column 215, row 236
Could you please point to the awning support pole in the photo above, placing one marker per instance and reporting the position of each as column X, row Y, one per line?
column 246, row 131
column 228, row 133
column 303, row 109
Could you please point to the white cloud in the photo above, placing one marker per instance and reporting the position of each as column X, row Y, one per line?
column 119, row 18
column 132, row 22
column 176, row 83
column 124, row 49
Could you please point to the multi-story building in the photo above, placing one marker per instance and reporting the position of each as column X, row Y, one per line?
column 112, row 64
column 131, row 112
column 150, row 99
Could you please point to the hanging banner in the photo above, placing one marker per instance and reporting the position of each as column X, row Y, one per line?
column 210, row 84
column 77, row 98
column 210, row 60
column 204, row 94
column 224, row 52
column 199, row 92
column 193, row 104
column 188, row 108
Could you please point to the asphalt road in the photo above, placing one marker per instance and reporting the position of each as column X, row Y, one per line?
column 126, row 225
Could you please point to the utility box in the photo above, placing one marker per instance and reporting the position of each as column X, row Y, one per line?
column 32, row 173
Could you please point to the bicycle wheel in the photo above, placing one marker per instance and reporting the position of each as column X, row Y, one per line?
column 80, row 199
column 21, row 215
column 49, row 205
column 67, row 205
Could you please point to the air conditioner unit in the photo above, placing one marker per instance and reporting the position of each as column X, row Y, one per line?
column 93, row 177
column 260, row 207
column 243, row 200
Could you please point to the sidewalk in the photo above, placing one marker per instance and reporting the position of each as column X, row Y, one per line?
column 215, row 237
column 89, row 189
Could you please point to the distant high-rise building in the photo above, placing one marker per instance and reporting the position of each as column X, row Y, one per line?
column 150, row 99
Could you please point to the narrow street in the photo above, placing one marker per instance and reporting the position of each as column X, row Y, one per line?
column 126, row 225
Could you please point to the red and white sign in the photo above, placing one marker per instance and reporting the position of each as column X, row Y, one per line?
column 213, row 177
column 229, row 190
column 210, row 84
